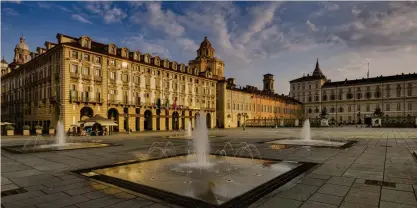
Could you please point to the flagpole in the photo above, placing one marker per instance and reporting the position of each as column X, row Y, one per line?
column 368, row 70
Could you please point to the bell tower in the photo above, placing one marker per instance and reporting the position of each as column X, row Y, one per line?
column 206, row 60
column 269, row 83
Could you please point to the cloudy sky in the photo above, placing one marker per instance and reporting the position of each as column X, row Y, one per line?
column 253, row 38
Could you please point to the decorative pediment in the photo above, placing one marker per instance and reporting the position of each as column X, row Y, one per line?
column 182, row 67
column 146, row 58
column 189, row 70
column 196, row 71
column 112, row 49
column 136, row 56
column 173, row 65
column 165, row 63
column 124, row 52
column 156, row 60
column 85, row 42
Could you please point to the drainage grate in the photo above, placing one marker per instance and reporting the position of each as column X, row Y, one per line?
column 380, row 183
column 13, row 192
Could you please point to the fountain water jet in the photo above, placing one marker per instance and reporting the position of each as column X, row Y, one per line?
column 60, row 134
column 200, row 141
column 188, row 131
column 305, row 131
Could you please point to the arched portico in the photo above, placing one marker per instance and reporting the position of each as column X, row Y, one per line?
column 147, row 124
column 86, row 113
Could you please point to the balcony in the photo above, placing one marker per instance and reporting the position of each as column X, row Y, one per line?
column 114, row 101
column 96, row 100
column 86, row 77
column 98, row 79
column 74, row 75
column 74, row 99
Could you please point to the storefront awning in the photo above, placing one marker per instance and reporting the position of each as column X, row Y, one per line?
column 87, row 124
column 107, row 123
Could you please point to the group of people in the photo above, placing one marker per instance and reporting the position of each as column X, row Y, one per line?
column 95, row 130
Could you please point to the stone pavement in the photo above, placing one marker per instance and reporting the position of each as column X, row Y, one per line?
column 341, row 179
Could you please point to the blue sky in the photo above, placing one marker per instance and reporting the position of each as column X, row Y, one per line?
column 253, row 38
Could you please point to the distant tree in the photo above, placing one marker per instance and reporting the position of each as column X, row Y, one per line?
column 378, row 112
column 323, row 113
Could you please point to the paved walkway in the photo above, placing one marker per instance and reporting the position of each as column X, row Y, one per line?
column 339, row 181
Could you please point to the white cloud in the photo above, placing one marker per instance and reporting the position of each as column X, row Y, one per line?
column 110, row 13
column 311, row 26
column 9, row 12
column 44, row 5
column 81, row 19
column 256, row 39
column 12, row 1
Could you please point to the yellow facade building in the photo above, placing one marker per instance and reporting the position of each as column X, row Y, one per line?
column 77, row 78
column 238, row 106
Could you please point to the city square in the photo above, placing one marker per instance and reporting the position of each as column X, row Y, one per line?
column 351, row 177
column 208, row 104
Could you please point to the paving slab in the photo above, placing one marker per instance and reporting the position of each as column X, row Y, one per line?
column 335, row 190
column 300, row 192
column 342, row 181
column 400, row 197
column 326, row 198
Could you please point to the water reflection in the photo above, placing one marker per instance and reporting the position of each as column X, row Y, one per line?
column 228, row 178
column 278, row 146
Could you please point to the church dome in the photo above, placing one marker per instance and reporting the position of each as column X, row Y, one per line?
column 206, row 43
column 22, row 44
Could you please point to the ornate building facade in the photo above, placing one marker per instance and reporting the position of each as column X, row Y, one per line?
column 77, row 78
column 356, row 101
column 237, row 106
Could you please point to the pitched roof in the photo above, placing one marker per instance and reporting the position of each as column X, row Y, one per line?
column 317, row 75
column 372, row 80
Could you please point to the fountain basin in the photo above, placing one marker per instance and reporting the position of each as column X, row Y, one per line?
column 228, row 182
column 185, row 137
column 54, row 147
column 313, row 143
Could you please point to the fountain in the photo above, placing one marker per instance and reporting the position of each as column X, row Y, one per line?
column 40, row 144
column 235, row 176
column 200, row 141
column 60, row 134
column 188, row 132
column 305, row 140
column 305, row 131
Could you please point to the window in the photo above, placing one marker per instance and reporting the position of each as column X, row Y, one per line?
column 112, row 75
column 398, row 106
column 98, row 59
column 86, row 57
column 86, row 71
column 74, row 68
column 387, row 107
column 349, row 109
column 358, row 108
column 398, row 90
column 409, row 90
column 112, row 62
column 358, row 95
column 98, row 72
column 368, row 107
column 410, row 106
column 74, row 54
